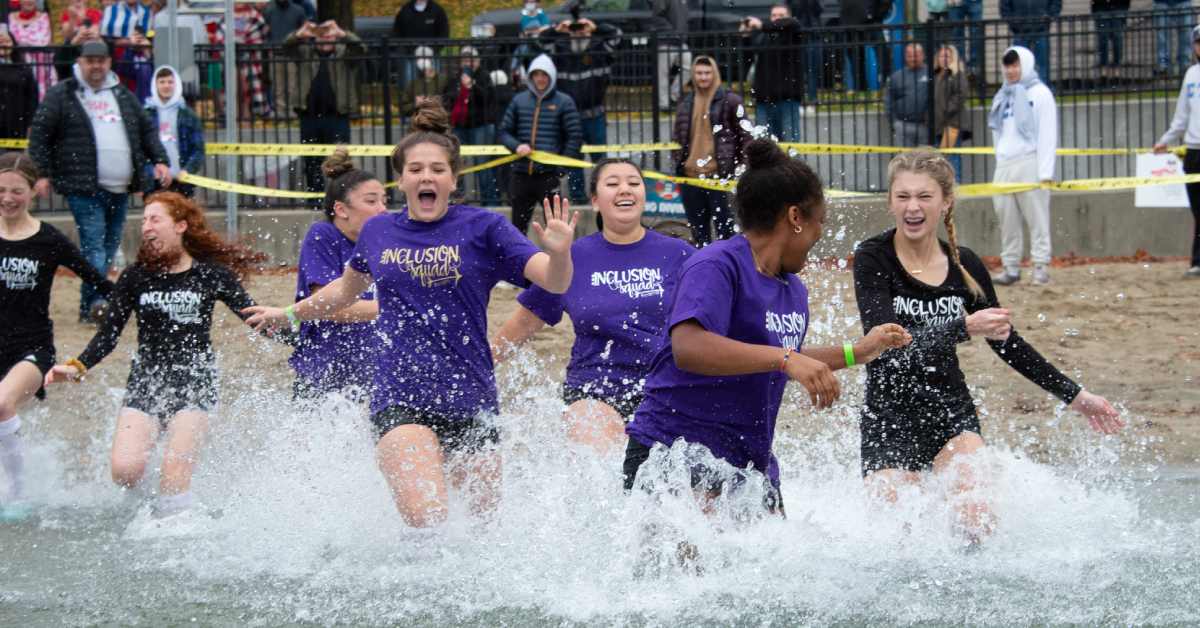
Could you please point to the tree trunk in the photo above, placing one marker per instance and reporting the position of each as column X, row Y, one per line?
column 341, row 11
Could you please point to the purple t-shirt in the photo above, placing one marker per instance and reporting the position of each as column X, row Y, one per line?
column 618, row 305
column 734, row 417
column 433, row 281
column 331, row 355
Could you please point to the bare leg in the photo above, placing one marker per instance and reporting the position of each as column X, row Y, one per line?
column 956, row 458
column 410, row 458
column 17, row 388
column 478, row 476
column 185, row 435
column 595, row 424
column 884, row 484
column 132, row 444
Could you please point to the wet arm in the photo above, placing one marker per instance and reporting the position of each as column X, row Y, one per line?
column 516, row 331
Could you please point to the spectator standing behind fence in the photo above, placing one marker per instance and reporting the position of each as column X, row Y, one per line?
column 470, row 98
column 179, row 130
column 583, row 53
column 283, row 18
column 121, row 19
column 1186, row 124
column 949, row 100
column 970, row 12
column 90, row 138
column 249, row 29
column 1029, row 21
column 134, row 66
column 321, row 86
column 780, row 71
column 709, row 130
column 65, row 56
column 1110, row 16
column 539, row 118
column 423, row 21
column 1172, row 20
column 670, row 20
column 907, row 99
column 31, row 28
column 533, row 18
column 428, row 84
column 858, row 43
column 73, row 17
column 20, row 91
column 1024, row 123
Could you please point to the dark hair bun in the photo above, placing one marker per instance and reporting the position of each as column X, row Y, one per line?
column 431, row 117
column 763, row 153
column 337, row 164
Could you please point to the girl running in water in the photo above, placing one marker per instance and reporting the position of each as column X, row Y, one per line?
column 434, row 266
column 617, row 303
column 30, row 253
column 736, row 327
column 337, row 354
column 182, row 270
column 919, row 415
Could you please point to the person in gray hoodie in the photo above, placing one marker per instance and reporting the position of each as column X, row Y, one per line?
column 540, row 118
column 179, row 129
column 90, row 138
column 1186, row 124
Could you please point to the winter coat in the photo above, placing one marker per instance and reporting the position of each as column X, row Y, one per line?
column 191, row 140
column 584, row 75
column 20, row 100
column 781, row 65
column 1021, row 13
column 428, row 25
column 430, row 87
column 292, row 89
column 547, row 122
column 730, row 140
column 949, row 97
column 63, row 144
column 481, row 108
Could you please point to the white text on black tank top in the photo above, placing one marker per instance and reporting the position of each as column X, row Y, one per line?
column 18, row 273
column 929, row 313
column 788, row 327
column 182, row 306
column 633, row 282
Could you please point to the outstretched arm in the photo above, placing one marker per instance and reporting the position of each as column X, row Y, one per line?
column 516, row 331
column 324, row 305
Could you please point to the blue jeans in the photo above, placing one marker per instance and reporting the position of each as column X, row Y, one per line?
column 954, row 159
column 489, row 194
column 969, row 11
column 1181, row 25
column 100, row 219
column 1110, row 34
column 1039, row 45
column 815, row 69
column 781, row 118
column 595, row 131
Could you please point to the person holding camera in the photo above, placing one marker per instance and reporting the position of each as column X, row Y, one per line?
column 583, row 53
column 780, row 70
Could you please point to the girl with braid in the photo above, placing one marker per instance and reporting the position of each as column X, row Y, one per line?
column 919, row 417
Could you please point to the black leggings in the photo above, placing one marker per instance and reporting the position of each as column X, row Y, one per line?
column 1191, row 165
column 703, row 478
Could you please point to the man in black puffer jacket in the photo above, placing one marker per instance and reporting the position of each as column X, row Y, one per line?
column 541, row 118
column 91, row 138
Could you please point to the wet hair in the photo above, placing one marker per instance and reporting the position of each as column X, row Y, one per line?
column 341, row 179
column 162, row 72
column 21, row 164
column 1011, row 58
column 772, row 182
column 199, row 240
column 598, row 170
column 931, row 163
column 430, row 125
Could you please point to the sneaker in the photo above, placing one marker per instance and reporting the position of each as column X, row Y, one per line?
column 1006, row 277
column 1192, row 273
column 1041, row 276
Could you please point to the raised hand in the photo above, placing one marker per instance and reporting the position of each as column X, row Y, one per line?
column 559, row 231
column 1099, row 412
column 880, row 339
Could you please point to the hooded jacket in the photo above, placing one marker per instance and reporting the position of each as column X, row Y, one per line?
column 63, row 144
column 725, row 111
column 177, row 126
column 306, row 63
column 547, row 121
column 1186, row 122
column 1033, row 131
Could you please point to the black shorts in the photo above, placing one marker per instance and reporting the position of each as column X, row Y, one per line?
column 166, row 390
column 703, row 478
column 624, row 405
column 39, row 355
column 909, row 443
column 455, row 434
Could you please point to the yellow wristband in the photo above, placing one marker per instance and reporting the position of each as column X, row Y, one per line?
column 78, row 366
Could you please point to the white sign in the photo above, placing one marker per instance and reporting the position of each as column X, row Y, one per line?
column 1157, row 166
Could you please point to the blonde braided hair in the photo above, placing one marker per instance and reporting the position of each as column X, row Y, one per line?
column 927, row 161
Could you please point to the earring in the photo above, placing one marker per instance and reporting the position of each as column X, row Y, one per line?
column 798, row 229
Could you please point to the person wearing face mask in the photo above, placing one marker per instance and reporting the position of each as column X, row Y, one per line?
column 321, row 85
column 617, row 302
column 429, row 85
column 533, row 18
column 423, row 21
column 583, row 54
column 734, row 339
column 434, row 266
column 183, row 268
column 919, row 417
column 471, row 97
column 337, row 354
column 20, row 90
column 1024, row 123
column 179, row 129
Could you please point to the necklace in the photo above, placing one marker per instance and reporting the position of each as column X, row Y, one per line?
column 919, row 270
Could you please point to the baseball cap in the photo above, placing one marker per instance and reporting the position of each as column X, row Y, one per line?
column 93, row 48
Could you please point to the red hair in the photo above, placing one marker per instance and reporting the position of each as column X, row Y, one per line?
column 199, row 240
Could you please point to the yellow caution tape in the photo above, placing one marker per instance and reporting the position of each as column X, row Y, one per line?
column 241, row 188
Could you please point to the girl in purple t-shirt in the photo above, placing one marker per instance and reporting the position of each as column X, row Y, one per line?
column 617, row 303
column 338, row 353
column 736, row 328
column 434, row 266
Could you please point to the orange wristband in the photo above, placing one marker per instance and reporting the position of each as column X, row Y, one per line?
column 78, row 366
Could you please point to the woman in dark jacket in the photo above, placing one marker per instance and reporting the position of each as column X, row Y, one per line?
column 949, row 98
column 20, row 91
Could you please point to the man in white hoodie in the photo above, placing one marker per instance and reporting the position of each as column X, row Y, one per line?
column 1024, row 123
column 1186, row 124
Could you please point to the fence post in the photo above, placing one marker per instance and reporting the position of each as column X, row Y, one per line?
column 655, row 59
column 388, row 136
column 231, row 121
column 930, row 63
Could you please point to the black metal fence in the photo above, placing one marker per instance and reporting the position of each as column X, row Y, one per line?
column 842, row 76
